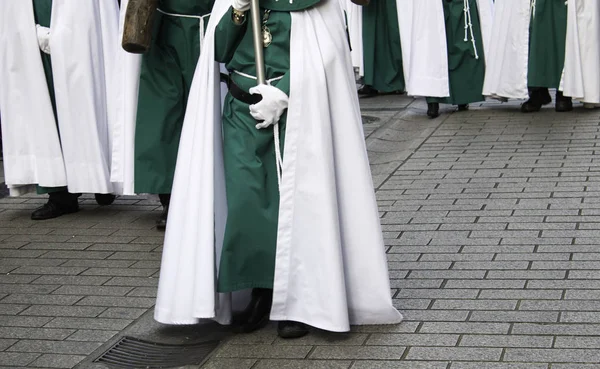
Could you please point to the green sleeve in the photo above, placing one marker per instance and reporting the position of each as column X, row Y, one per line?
column 228, row 36
column 284, row 83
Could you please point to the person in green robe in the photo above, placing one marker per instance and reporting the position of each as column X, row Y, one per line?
column 547, row 41
column 382, row 51
column 249, row 246
column 466, row 59
column 60, row 200
column 165, row 79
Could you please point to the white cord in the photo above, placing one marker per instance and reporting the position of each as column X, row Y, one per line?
column 533, row 9
column 469, row 27
column 278, row 156
column 199, row 17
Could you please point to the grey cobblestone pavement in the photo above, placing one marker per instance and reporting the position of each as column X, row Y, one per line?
column 491, row 219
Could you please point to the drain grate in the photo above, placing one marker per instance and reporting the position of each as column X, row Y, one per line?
column 134, row 353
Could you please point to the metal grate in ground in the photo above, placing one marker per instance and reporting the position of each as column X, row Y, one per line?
column 133, row 353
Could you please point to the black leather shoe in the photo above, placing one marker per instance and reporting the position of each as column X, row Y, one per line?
column 463, row 107
column 161, row 222
column 538, row 97
column 256, row 314
column 433, row 110
column 563, row 104
column 289, row 329
column 53, row 210
column 105, row 199
column 368, row 91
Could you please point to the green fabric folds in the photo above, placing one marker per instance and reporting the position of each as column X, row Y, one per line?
column 248, row 257
column 466, row 72
column 382, row 51
column 547, row 41
column 165, row 80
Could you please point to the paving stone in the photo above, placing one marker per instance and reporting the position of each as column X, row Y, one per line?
column 89, row 323
column 119, row 272
column 481, row 340
column 556, row 329
column 553, row 355
column 400, row 339
column 488, row 305
column 358, row 352
column 31, row 299
column 17, row 359
column 464, row 328
column 302, row 364
column 88, row 335
column 263, row 352
column 222, row 363
column 58, row 361
column 71, row 280
column 475, row 365
column 58, row 347
column 454, row 353
column 54, row 270
column 122, row 313
column 35, row 333
column 65, row 311
column 514, row 316
column 17, row 288
column 6, row 343
column 114, row 301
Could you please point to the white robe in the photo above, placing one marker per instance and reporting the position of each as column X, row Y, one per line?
column 329, row 237
column 82, row 50
column 424, row 48
column 507, row 62
column 355, row 31
column 123, row 109
column 32, row 152
column 81, row 35
column 581, row 78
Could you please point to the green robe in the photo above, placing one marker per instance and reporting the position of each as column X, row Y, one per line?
column 165, row 80
column 466, row 73
column 548, row 34
column 382, row 52
column 42, row 11
column 248, row 256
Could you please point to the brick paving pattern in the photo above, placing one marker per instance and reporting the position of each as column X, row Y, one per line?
column 491, row 219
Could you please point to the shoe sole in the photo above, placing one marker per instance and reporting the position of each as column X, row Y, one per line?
column 252, row 328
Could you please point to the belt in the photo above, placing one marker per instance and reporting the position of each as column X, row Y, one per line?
column 238, row 93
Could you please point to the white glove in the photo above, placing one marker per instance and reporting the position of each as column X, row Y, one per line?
column 43, row 36
column 241, row 5
column 271, row 107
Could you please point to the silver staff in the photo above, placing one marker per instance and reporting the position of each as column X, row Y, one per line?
column 258, row 42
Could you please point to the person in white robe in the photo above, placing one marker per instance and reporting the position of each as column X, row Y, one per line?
column 62, row 146
column 328, row 235
column 527, row 53
column 581, row 78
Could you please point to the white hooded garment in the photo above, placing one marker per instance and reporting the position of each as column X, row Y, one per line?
column 82, row 35
column 331, row 267
column 424, row 45
column 581, row 79
column 507, row 62
column 123, row 104
column 32, row 152
column 82, row 42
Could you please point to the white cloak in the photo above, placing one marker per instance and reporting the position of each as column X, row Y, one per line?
column 355, row 30
column 32, row 152
column 123, row 109
column 581, row 78
column 424, row 44
column 329, row 236
column 82, row 43
column 508, row 58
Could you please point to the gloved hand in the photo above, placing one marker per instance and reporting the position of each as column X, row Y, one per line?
column 271, row 107
column 43, row 36
column 241, row 5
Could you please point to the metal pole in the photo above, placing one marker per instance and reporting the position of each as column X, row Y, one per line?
column 258, row 41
